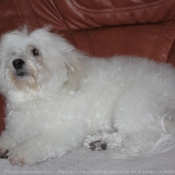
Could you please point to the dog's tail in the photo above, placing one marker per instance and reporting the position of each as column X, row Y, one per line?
column 164, row 144
column 166, row 141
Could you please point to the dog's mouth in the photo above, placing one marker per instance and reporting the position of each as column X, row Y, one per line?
column 21, row 73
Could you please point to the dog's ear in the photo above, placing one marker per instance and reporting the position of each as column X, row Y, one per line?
column 72, row 60
column 74, row 70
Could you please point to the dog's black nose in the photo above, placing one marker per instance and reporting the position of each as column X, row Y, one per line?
column 18, row 63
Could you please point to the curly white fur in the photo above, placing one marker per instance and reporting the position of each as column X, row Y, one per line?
column 58, row 98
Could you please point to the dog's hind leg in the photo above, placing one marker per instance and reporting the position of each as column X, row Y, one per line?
column 103, row 141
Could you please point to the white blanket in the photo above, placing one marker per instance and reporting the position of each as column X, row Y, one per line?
column 82, row 162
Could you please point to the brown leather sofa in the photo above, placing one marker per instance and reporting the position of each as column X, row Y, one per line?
column 102, row 28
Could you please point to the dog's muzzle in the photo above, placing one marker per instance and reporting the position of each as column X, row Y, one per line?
column 19, row 66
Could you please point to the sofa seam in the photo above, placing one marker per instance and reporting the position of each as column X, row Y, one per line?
column 157, row 44
column 170, row 50
column 89, row 42
column 123, row 10
column 173, row 21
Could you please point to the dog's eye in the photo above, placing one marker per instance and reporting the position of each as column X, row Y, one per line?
column 35, row 52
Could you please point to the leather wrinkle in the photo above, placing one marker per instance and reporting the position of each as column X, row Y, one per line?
column 16, row 3
column 57, row 12
column 64, row 20
column 33, row 13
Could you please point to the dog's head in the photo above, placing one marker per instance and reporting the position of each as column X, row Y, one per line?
column 39, row 62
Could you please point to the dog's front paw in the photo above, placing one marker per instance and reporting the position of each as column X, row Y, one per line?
column 98, row 145
column 16, row 159
column 95, row 143
column 3, row 153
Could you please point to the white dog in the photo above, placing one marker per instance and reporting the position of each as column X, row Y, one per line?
column 58, row 99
